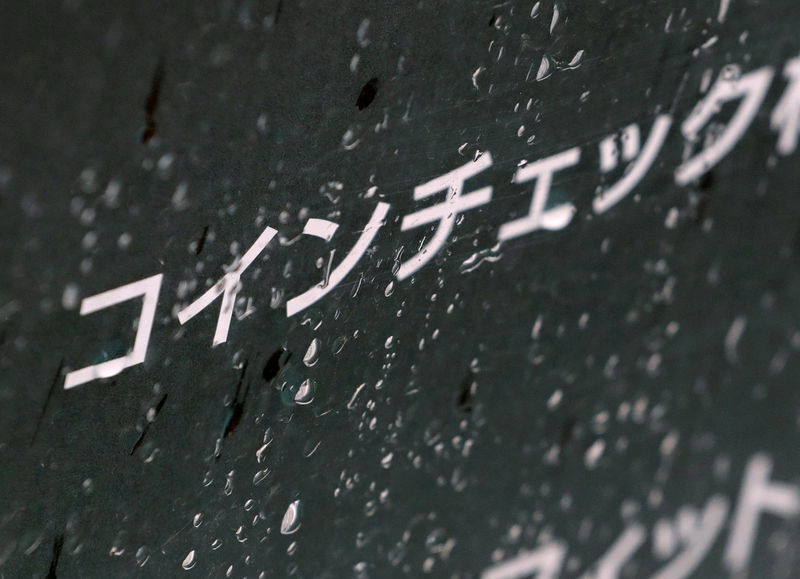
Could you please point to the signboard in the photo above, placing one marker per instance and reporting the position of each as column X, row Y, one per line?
column 315, row 289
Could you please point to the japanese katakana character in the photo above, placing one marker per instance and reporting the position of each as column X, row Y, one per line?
column 325, row 229
column 785, row 117
column 611, row 563
column 545, row 562
column 751, row 88
column 445, row 213
column 148, row 289
column 636, row 171
column 538, row 217
column 693, row 533
column 227, row 287
column 758, row 495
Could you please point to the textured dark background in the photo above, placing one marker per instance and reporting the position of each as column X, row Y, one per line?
column 255, row 102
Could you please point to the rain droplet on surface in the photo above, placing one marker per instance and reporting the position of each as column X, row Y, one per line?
column 576, row 60
column 260, row 476
column 291, row 519
column 554, row 21
column 189, row 560
column 475, row 76
column 69, row 299
column 361, row 33
column 305, row 394
column 545, row 69
column 116, row 548
column 312, row 353
column 593, row 454
column 142, row 555
column 240, row 536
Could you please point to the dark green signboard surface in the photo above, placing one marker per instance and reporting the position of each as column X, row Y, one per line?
column 334, row 289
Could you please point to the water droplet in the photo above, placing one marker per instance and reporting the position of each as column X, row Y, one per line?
column 473, row 262
column 361, row 33
column 475, row 76
column 389, row 342
column 228, row 484
column 338, row 344
column 731, row 72
column 276, row 298
column 142, row 556
column 389, row 289
column 189, row 560
column 260, row 476
column 116, row 548
column 240, row 535
column 576, row 60
column 386, row 461
column 554, row 21
column 593, row 454
column 197, row 520
column 291, row 519
column 69, row 299
column 545, row 69
column 312, row 353
column 305, row 394
column 555, row 399
column 349, row 140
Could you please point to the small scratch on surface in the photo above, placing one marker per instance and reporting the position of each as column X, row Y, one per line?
column 151, row 418
column 368, row 93
column 58, row 543
column 47, row 400
column 732, row 339
column 202, row 241
column 151, row 104
column 235, row 410
column 313, row 450
column 172, row 537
